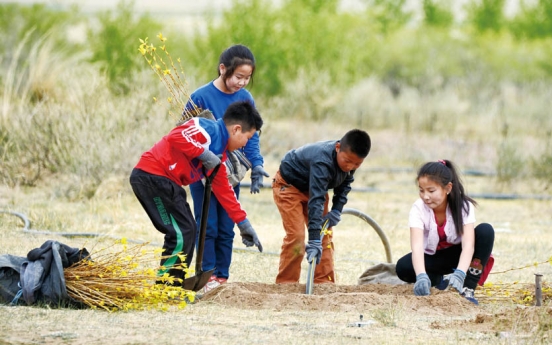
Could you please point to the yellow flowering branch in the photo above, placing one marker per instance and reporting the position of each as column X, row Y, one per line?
column 169, row 75
column 535, row 264
column 121, row 280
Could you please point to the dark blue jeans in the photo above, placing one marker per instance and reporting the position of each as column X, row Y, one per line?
column 220, row 232
column 446, row 260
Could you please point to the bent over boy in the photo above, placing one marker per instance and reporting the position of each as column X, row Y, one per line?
column 300, row 190
column 179, row 159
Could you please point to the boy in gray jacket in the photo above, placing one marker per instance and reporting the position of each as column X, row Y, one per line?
column 300, row 189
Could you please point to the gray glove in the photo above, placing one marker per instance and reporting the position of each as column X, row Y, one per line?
column 422, row 286
column 456, row 280
column 314, row 251
column 333, row 217
column 209, row 159
column 249, row 236
column 257, row 174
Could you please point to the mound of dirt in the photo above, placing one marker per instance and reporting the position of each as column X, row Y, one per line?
column 332, row 297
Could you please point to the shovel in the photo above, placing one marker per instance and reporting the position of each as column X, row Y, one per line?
column 201, row 278
column 312, row 263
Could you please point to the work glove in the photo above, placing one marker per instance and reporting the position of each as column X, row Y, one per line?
column 314, row 251
column 333, row 217
column 456, row 280
column 249, row 236
column 257, row 174
column 209, row 159
column 422, row 286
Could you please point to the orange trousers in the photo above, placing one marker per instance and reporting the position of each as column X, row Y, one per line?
column 293, row 208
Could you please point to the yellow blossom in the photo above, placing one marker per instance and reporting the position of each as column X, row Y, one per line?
column 161, row 38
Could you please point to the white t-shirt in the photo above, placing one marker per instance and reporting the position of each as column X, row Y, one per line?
column 422, row 217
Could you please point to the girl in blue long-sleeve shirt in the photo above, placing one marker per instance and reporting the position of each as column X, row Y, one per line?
column 236, row 68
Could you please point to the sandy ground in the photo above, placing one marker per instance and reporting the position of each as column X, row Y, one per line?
column 257, row 313
column 251, row 309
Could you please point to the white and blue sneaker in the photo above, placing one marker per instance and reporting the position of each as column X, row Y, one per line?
column 469, row 295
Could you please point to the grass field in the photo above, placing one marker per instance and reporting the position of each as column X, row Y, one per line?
column 66, row 157
column 252, row 309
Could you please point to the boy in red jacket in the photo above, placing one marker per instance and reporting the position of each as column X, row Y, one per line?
column 179, row 159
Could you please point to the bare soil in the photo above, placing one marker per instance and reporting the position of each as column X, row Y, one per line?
column 332, row 297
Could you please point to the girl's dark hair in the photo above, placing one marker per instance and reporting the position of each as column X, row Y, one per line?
column 235, row 56
column 443, row 172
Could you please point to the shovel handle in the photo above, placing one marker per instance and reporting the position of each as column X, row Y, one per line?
column 204, row 216
column 312, row 263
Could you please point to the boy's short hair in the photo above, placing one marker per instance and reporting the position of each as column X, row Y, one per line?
column 356, row 141
column 243, row 113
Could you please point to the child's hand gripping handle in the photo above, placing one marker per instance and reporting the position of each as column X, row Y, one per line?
column 314, row 246
column 314, row 255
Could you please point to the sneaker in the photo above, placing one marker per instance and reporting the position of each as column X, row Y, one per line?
column 469, row 295
column 222, row 280
column 443, row 285
column 212, row 284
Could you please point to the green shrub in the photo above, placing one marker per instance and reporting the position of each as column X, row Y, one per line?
column 534, row 20
column 486, row 15
column 287, row 40
column 114, row 43
column 437, row 14
column 23, row 28
column 37, row 20
column 388, row 15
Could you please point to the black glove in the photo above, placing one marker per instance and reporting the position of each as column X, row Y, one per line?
column 209, row 159
column 422, row 286
column 257, row 174
column 333, row 217
column 249, row 236
column 314, row 251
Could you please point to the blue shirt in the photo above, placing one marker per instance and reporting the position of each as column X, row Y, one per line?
column 209, row 97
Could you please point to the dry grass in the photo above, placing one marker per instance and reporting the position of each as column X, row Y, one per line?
column 522, row 239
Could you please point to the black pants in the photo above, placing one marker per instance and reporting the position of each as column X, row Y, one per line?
column 446, row 260
column 165, row 203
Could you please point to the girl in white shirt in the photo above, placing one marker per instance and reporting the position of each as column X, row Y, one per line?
column 443, row 236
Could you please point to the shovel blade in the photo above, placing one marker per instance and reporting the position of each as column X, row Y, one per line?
column 198, row 281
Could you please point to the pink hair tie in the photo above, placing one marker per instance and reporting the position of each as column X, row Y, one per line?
column 442, row 161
